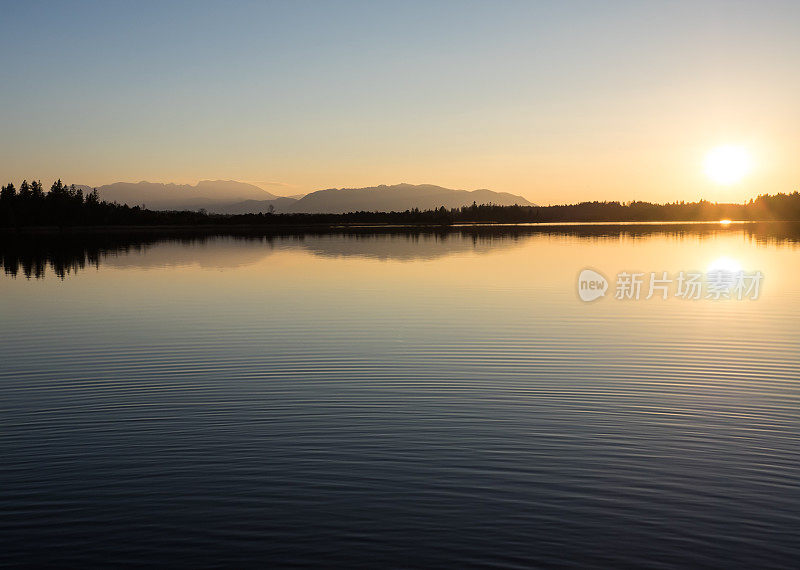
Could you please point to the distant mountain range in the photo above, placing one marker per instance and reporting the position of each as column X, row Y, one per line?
column 231, row 197
column 398, row 198
column 207, row 194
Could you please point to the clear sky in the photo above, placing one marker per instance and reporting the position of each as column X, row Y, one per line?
column 557, row 101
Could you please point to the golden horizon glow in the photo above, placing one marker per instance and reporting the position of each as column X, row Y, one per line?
column 728, row 164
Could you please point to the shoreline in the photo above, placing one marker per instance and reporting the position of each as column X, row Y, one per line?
column 359, row 227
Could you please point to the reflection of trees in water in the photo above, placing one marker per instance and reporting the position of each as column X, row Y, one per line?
column 66, row 254
column 32, row 255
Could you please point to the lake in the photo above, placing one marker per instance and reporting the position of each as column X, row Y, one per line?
column 399, row 397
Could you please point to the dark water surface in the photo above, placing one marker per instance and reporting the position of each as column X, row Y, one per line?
column 408, row 399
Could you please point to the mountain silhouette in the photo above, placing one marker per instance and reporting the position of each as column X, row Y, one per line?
column 207, row 194
column 398, row 198
column 231, row 197
column 281, row 204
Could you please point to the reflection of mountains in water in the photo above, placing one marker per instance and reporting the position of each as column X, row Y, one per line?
column 67, row 253
column 408, row 247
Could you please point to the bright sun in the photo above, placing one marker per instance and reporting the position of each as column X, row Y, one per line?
column 728, row 164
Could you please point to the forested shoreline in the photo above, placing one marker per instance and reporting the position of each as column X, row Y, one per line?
column 68, row 206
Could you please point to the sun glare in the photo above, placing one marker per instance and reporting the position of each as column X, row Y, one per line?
column 728, row 164
column 725, row 263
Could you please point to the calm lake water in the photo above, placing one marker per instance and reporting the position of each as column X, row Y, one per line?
column 404, row 399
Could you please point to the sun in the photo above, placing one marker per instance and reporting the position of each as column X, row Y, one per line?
column 728, row 164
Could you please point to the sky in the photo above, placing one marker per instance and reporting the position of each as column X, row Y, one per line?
column 559, row 101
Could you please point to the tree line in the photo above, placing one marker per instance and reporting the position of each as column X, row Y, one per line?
column 65, row 206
